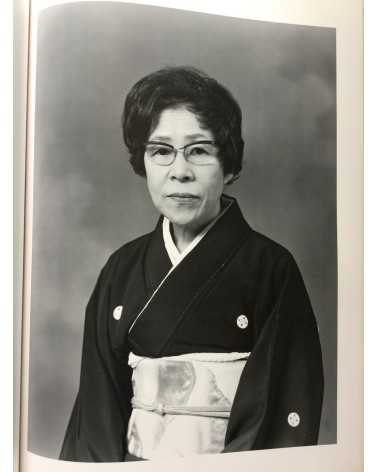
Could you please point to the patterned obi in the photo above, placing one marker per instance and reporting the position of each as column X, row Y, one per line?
column 181, row 404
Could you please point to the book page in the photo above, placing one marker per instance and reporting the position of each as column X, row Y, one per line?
column 21, row 35
column 295, row 68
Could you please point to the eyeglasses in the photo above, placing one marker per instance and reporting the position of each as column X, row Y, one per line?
column 199, row 153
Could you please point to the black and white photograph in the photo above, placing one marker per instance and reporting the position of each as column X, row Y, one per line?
column 184, row 274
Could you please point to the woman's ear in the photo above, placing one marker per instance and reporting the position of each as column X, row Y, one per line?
column 230, row 178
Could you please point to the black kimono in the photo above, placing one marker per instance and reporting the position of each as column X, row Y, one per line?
column 233, row 271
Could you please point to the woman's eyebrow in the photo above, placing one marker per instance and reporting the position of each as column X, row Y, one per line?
column 187, row 137
column 160, row 138
column 197, row 136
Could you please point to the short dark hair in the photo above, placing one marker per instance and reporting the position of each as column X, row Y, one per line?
column 211, row 102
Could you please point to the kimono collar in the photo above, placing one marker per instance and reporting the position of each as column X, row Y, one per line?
column 174, row 254
column 173, row 298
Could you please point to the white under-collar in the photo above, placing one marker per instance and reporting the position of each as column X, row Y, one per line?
column 174, row 255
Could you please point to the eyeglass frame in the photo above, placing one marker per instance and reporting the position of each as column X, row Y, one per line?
column 176, row 150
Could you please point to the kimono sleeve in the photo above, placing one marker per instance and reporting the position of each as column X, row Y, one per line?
column 279, row 398
column 97, row 427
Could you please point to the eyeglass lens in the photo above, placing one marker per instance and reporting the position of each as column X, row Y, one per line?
column 202, row 153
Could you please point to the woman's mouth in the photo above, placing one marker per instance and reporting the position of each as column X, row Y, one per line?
column 183, row 197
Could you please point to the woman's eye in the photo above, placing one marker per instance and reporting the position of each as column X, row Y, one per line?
column 198, row 151
column 161, row 151
column 164, row 151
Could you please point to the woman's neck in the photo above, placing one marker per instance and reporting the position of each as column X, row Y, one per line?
column 184, row 235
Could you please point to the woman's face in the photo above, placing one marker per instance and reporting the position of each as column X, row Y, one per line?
column 186, row 193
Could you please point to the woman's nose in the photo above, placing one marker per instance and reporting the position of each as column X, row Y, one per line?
column 181, row 169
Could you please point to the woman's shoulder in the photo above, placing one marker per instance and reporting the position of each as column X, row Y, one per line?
column 264, row 246
column 127, row 253
column 132, row 246
column 271, row 260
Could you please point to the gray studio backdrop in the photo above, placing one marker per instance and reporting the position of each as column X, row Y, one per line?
column 88, row 201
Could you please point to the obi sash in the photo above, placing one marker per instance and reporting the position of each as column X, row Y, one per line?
column 181, row 404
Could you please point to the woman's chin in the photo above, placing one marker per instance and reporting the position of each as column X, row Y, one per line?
column 181, row 220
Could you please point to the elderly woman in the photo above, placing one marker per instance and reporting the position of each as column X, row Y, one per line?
column 199, row 336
